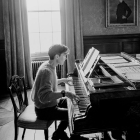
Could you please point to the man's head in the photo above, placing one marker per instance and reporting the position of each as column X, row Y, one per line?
column 59, row 52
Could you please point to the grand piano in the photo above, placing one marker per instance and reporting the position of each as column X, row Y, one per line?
column 109, row 89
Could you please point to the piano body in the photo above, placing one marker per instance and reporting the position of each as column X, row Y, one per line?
column 109, row 95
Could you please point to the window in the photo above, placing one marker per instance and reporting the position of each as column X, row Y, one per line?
column 44, row 25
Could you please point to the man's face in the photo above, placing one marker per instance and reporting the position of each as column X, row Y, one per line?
column 62, row 58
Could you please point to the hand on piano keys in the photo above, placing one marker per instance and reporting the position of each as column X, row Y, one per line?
column 72, row 96
column 68, row 81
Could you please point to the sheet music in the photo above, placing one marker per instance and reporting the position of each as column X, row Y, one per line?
column 88, row 56
column 113, row 61
column 93, row 66
column 90, row 61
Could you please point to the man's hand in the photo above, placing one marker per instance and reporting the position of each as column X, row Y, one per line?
column 68, row 81
column 72, row 96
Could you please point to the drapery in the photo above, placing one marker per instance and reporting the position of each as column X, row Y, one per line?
column 71, row 31
column 16, row 38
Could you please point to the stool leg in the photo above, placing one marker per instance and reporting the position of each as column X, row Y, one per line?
column 23, row 133
column 16, row 132
column 46, row 133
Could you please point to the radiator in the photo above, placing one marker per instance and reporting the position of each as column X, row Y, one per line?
column 36, row 64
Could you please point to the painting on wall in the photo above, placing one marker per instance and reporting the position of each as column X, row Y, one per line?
column 121, row 13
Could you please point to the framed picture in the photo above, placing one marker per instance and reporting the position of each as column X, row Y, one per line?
column 121, row 13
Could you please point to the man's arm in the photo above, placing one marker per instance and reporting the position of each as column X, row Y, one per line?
column 45, row 92
column 128, row 11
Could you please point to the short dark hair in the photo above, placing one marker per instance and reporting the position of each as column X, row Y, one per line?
column 57, row 49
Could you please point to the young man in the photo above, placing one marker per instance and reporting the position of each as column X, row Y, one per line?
column 49, row 103
column 123, row 12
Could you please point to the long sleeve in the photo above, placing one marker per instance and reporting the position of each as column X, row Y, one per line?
column 45, row 87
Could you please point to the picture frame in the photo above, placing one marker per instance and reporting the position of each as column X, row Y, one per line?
column 115, row 10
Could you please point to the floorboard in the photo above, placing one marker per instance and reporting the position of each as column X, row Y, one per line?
column 7, row 131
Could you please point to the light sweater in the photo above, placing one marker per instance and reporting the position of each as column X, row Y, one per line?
column 44, row 86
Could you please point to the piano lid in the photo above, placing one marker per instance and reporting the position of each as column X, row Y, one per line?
column 89, row 62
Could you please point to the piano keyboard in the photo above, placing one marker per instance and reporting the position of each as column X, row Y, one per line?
column 84, row 101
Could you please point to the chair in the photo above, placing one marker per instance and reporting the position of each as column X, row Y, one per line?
column 24, row 114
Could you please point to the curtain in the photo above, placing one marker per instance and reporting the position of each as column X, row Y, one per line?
column 71, row 27
column 16, row 38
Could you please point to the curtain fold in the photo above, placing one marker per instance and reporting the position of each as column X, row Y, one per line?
column 71, row 27
column 16, row 38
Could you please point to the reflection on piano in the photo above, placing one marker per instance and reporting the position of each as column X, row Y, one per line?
column 108, row 99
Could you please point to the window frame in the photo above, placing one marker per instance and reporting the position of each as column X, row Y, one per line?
column 41, row 55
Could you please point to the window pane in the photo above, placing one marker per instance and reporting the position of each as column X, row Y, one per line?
column 34, row 42
column 32, row 5
column 46, row 41
column 56, row 21
column 44, row 4
column 45, row 22
column 55, row 5
column 33, row 22
column 57, row 38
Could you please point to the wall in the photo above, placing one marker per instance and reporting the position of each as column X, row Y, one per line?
column 1, row 22
column 93, row 16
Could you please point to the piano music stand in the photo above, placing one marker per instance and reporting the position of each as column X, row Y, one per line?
column 90, row 61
